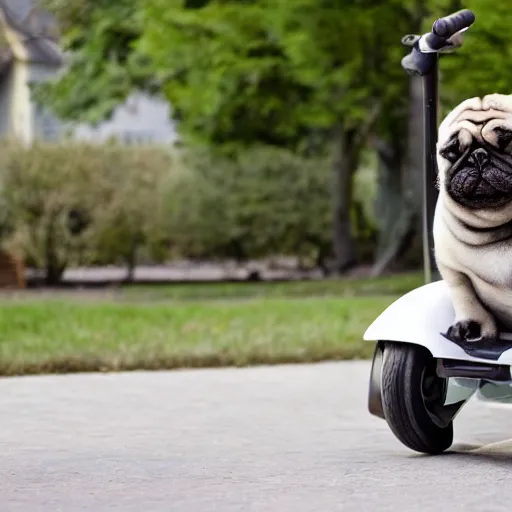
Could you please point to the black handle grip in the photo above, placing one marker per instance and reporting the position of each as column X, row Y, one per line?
column 449, row 25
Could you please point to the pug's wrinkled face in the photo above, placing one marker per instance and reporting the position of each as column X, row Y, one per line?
column 475, row 153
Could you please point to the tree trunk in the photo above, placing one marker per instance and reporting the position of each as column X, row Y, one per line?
column 400, row 187
column 396, row 216
column 54, row 267
column 344, row 167
column 131, row 260
column 54, row 273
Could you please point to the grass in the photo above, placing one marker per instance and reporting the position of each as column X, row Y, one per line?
column 193, row 326
column 388, row 285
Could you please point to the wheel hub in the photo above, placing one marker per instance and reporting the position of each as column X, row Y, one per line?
column 433, row 392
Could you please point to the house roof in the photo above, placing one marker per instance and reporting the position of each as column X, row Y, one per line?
column 26, row 35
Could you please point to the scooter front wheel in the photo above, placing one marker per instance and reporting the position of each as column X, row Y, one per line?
column 412, row 393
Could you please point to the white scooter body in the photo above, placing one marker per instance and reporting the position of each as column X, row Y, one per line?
column 419, row 317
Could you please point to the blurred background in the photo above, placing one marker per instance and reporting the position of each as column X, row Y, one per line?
column 251, row 170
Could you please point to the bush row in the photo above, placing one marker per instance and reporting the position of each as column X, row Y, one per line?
column 81, row 204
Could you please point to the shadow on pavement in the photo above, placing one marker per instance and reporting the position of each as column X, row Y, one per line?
column 499, row 452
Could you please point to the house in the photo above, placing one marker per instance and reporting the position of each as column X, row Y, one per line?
column 30, row 53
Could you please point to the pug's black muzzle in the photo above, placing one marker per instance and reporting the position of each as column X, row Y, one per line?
column 481, row 178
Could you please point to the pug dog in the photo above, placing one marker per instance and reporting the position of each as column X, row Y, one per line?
column 473, row 217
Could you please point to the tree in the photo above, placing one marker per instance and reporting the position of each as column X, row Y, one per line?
column 225, row 73
column 103, row 66
column 480, row 66
column 397, row 142
column 253, row 92
column 332, row 60
column 304, row 75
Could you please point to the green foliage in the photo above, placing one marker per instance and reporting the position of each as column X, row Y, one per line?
column 133, row 187
column 263, row 71
column 276, row 72
column 261, row 202
column 40, row 187
column 78, row 203
column 103, row 67
column 272, row 73
column 235, row 72
column 226, row 72
column 481, row 66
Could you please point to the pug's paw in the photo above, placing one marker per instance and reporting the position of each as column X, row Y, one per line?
column 465, row 331
column 471, row 331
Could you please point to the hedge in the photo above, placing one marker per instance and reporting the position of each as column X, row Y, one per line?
column 75, row 203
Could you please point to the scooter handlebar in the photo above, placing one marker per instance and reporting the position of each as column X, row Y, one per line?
column 440, row 39
column 449, row 25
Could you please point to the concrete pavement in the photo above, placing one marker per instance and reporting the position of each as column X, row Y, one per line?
column 292, row 438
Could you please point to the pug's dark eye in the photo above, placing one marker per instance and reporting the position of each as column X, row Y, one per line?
column 451, row 151
column 504, row 136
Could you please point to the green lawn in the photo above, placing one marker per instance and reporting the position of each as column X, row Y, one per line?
column 192, row 326
column 389, row 285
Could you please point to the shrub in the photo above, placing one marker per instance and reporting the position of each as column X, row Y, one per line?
column 76, row 203
column 136, row 185
column 262, row 202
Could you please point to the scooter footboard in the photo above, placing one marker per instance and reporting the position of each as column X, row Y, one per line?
column 421, row 316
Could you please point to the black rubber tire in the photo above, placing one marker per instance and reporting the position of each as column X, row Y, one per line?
column 402, row 399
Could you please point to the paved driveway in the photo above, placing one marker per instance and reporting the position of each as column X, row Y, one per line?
column 293, row 438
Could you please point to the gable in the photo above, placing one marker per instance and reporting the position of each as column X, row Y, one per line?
column 20, row 9
column 29, row 32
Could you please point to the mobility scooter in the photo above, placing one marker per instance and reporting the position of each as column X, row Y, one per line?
column 419, row 379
